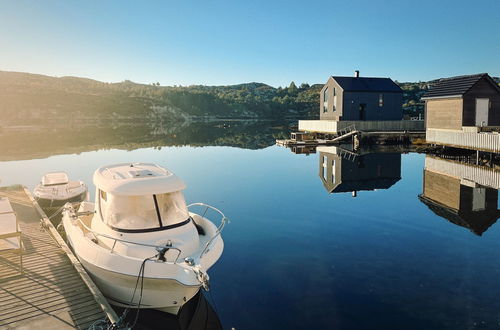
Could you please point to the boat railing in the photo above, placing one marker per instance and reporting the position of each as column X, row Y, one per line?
column 223, row 222
column 76, row 216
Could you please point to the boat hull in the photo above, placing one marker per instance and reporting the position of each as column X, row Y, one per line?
column 164, row 294
column 47, row 203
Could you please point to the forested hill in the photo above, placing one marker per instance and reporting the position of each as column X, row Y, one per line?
column 30, row 97
column 27, row 97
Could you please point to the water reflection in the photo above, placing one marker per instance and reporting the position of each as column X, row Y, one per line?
column 196, row 314
column 464, row 194
column 342, row 170
column 28, row 142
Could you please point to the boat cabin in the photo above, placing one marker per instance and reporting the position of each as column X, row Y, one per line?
column 140, row 197
column 55, row 179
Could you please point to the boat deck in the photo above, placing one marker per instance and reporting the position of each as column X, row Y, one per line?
column 54, row 292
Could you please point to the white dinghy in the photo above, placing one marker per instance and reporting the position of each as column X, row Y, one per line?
column 55, row 190
column 139, row 241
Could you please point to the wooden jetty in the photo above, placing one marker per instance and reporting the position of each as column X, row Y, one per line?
column 357, row 138
column 54, row 291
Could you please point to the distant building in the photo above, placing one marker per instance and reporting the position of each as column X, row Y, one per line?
column 466, row 195
column 360, row 98
column 344, row 171
column 463, row 111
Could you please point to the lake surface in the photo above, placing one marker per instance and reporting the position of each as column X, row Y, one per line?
column 301, row 252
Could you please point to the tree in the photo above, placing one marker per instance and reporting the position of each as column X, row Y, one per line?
column 304, row 86
column 292, row 89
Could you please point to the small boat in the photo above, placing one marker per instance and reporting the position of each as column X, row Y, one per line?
column 55, row 190
column 140, row 242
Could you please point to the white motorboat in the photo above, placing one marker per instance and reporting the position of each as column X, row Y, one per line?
column 55, row 190
column 140, row 242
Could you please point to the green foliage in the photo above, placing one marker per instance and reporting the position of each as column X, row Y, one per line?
column 27, row 96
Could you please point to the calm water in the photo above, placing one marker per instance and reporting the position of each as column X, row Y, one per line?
column 299, row 257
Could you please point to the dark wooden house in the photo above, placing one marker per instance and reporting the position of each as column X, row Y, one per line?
column 360, row 98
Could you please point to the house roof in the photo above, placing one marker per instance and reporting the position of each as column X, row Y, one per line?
column 367, row 84
column 455, row 86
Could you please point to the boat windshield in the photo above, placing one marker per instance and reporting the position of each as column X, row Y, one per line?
column 143, row 212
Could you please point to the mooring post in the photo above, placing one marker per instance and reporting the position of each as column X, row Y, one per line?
column 355, row 141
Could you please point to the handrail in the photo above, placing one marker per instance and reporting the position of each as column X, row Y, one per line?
column 224, row 220
column 75, row 215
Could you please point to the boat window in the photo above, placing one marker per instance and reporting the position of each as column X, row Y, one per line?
column 139, row 212
column 172, row 207
column 129, row 212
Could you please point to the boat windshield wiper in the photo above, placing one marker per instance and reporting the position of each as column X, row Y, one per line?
column 157, row 211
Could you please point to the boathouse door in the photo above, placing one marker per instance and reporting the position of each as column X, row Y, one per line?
column 482, row 109
column 362, row 111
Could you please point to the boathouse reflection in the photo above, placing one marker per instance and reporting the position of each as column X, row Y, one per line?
column 342, row 171
column 464, row 194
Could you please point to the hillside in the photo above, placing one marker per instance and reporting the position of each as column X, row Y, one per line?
column 32, row 98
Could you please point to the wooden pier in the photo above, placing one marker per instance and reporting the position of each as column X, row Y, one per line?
column 358, row 138
column 54, row 291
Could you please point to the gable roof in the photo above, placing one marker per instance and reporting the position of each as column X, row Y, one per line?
column 366, row 84
column 455, row 86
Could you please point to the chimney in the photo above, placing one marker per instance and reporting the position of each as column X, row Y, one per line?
column 356, row 74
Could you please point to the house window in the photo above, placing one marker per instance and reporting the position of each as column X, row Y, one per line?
column 380, row 100
column 334, row 98
column 325, row 100
column 323, row 167
column 333, row 171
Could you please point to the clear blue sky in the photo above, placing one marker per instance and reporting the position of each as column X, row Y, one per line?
column 225, row 42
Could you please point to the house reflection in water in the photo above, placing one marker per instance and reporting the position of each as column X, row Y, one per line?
column 341, row 170
column 464, row 194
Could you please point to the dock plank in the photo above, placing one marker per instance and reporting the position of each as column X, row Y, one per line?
column 51, row 293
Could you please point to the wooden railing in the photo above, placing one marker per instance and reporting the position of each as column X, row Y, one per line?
column 483, row 141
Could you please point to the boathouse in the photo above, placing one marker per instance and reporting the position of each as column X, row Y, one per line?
column 464, row 194
column 464, row 112
column 343, row 171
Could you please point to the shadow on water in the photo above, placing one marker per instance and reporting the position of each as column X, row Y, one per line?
column 196, row 314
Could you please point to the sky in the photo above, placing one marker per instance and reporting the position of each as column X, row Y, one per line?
column 224, row 42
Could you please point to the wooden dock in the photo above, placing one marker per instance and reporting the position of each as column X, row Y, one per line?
column 358, row 137
column 54, row 292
